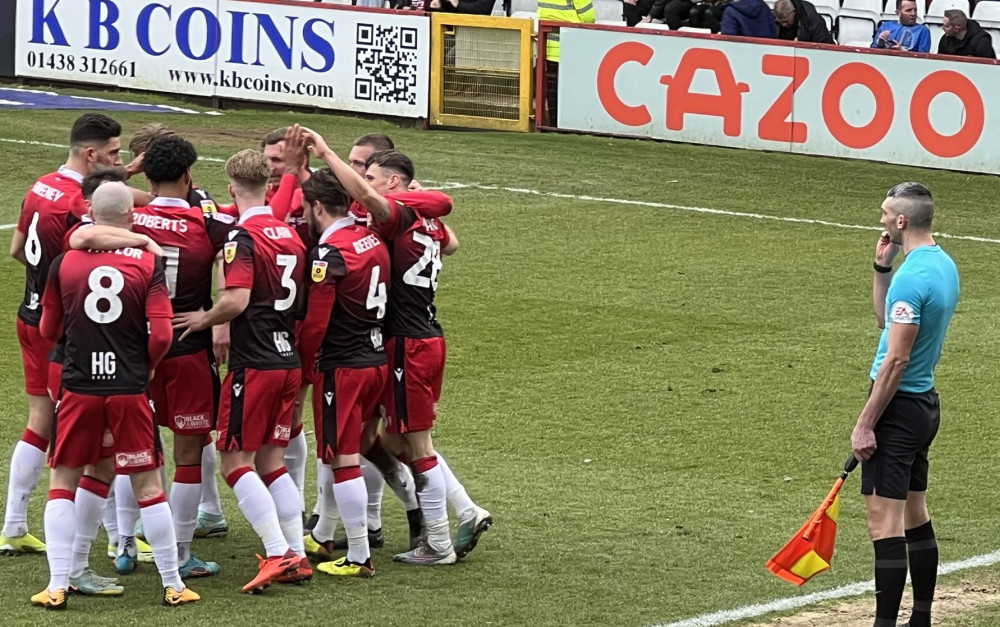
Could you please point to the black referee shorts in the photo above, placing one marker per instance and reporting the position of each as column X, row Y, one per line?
column 903, row 436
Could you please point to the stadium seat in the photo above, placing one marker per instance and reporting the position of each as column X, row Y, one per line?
column 986, row 11
column 995, row 35
column 828, row 9
column 611, row 22
column 692, row 29
column 609, row 10
column 936, row 34
column 523, row 6
column 652, row 26
column 856, row 27
column 938, row 7
column 874, row 6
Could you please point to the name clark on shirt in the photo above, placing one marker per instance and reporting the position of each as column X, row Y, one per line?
column 366, row 243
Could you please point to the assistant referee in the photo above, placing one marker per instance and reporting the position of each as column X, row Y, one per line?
column 898, row 423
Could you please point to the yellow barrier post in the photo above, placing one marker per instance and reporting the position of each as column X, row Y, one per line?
column 481, row 72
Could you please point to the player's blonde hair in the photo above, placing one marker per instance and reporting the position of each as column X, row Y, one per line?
column 248, row 170
column 146, row 136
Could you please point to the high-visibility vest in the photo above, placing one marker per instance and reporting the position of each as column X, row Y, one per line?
column 573, row 11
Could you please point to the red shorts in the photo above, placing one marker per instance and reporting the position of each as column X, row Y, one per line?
column 410, row 398
column 35, row 356
column 185, row 393
column 55, row 380
column 256, row 408
column 343, row 400
column 90, row 428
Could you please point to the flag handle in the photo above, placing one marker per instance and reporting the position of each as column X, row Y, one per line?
column 850, row 464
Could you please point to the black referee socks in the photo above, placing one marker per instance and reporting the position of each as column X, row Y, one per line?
column 890, row 578
column 923, row 550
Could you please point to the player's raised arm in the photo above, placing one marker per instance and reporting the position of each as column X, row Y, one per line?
column 354, row 183
column 885, row 251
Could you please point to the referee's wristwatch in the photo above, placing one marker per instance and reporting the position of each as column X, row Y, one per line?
column 882, row 269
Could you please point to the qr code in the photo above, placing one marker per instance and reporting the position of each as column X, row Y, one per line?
column 386, row 69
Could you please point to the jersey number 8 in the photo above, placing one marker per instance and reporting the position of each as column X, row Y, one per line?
column 109, row 294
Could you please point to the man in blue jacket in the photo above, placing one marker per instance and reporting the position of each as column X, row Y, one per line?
column 904, row 34
column 749, row 18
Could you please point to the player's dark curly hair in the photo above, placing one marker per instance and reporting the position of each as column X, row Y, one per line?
column 393, row 161
column 168, row 159
column 93, row 128
column 325, row 188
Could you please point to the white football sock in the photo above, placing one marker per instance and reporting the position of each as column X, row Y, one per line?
column 89, row 512
column 185, row 494
column 375, row 485
column 111, row 517
column 351, row 500
column 258, row 507
column 295, row 460
column 60, row 527
column 329, row 515
column 457, row 496
column 211, row 503
column 158, row 524
column 401, row 482
column 128, row 507
column 26, row 466
column 318, row 507
column 435, row 509
column 288, row 505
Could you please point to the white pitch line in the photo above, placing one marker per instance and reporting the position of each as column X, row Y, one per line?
column 790, row 603
column 619, row 201
column 7, row 227
column 708, row 210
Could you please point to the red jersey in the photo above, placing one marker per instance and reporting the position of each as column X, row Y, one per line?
column 104, row 300
column 429, row 203
column 52, row 205
column 267, row 257
column 415, row 244
column 190, row 239
column 348, row 291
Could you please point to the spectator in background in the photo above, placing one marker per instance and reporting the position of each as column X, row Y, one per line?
column 749, row 18
column 964, row 37
column 799, row 21
column 635, row 11
column 905, row 33
column 572, row 12
column 708, row 15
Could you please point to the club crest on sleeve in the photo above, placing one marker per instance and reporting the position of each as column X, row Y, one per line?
column 902, row 312
column 229, row 251
column 319, row 271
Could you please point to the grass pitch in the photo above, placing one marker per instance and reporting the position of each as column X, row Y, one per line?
column 711, row 367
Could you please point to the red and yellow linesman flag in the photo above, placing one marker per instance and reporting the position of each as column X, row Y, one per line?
column 810, row 551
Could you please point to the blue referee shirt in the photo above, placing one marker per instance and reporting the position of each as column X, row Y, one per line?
column 924, row 291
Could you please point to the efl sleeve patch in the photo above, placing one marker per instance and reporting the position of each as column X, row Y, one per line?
column 902, row 312
column 230, row 251
column 318, row 271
